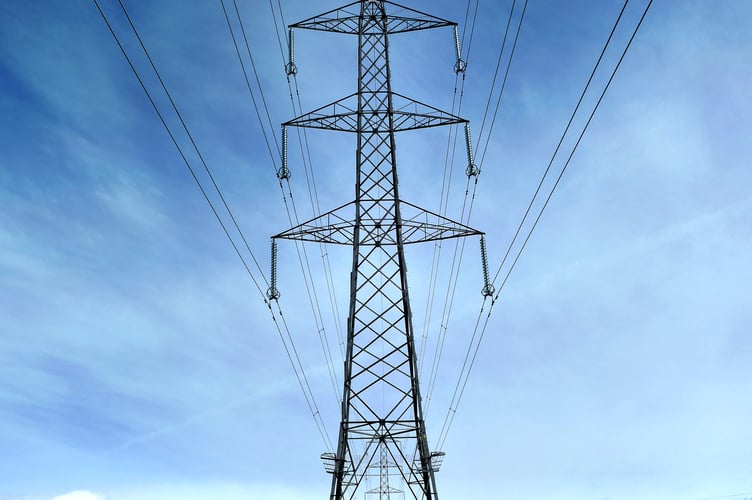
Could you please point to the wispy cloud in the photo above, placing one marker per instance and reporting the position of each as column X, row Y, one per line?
column 80, row 495
column 134, row 351
column 215, row 489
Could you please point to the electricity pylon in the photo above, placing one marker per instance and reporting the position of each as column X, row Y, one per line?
column 382, row 427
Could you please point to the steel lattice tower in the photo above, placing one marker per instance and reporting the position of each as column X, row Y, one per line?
column 382, row 427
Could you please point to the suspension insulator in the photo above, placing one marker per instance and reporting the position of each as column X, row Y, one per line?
column 290, row 67
column 273, row 293
column 488, row 289
column 283, row 173
column 472, row 169
column 460, row 66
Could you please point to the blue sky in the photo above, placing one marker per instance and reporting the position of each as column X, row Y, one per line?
column 137, row 360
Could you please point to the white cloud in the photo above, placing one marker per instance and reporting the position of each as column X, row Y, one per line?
column 80, row 495
column 220, row 490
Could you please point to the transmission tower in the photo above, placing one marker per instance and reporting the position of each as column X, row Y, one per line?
column 382, row 427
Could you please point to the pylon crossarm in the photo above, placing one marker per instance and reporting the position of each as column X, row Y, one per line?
column 341, row 20
column 346, row 20
column 424, row 225
column 335, row 226
column 410, row 114
column 407, row 114
column 418, row 225
column 341, row 115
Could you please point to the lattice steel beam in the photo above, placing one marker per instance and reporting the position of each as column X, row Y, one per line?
column 382, row 426
column 338, row 226
column 347, row 20
column 406, row 114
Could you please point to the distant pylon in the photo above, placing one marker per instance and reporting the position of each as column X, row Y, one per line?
column 382, row 426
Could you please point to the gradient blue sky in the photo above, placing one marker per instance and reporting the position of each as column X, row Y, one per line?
column 137, row 361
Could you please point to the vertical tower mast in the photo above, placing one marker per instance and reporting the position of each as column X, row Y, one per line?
column 382, row 426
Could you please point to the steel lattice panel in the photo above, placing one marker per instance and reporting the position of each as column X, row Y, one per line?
column 382, row 425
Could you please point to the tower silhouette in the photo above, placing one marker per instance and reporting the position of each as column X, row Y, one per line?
column 382, row 426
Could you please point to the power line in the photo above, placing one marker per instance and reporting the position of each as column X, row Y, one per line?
column 459, row 393
column 563, row 136
column 310, row 183
column 255, row 73
column 312, row 405
column 302, row 257
column 444, row 197
column 314, row 201
column 574, row 149
column 446, row 183
column 460, row 246
column 248, row 85
column 190, row 137
column 177, row 146
column 472, row 29
column 503, row 84
column 445, row 193
column 298, row 370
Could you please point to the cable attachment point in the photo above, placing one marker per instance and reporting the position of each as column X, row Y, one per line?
column 273, row 293
column 460, row 66
column 472, row 169
column 290, row 68
column 488, row 289
column 283, row 173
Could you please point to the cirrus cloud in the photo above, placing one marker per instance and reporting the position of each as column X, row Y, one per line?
column 80, row 495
